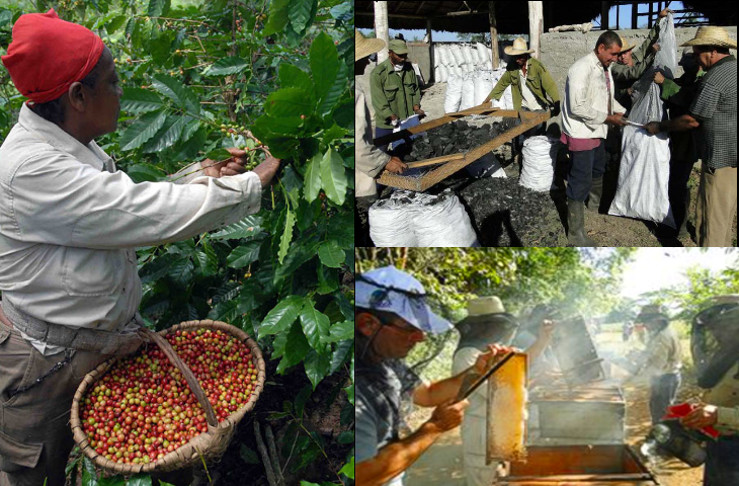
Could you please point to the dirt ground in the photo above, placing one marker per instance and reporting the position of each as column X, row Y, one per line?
column 605, row 230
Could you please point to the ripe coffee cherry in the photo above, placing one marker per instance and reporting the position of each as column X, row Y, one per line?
column 143, row 408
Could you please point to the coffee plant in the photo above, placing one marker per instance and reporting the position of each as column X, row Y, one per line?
column 201, row 76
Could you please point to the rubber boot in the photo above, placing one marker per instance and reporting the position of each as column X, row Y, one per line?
column 576, row 223
column 596, row 190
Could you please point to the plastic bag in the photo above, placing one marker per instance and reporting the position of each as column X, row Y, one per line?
column 468, row 92
column 410, row 218
column 538, row 154
column 453, row 95
column 645, row 159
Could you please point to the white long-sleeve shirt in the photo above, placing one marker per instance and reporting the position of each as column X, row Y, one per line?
column 69, row 224
column 585, row 101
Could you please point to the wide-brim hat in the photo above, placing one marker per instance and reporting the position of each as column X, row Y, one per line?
column 484, row 305
column 625, row 45
column 651, row 312
column 364, row 47
column 391, row 290
column 518, row 48
column 711, row 36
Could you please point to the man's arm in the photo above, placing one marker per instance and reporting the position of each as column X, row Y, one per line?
column 396, row 457
column 369, row 159
column 500, row 86
column 550, row 87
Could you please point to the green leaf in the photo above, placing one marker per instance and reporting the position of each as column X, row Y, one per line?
column 340, row 331
column 137, row 100
column 348, row 469
column 331, row 254
column 248, row 456
column 282, row 315
column 207, row 262
column 324, row 63
column 218, row 154
column 277, row 17
column 142, row 130
column 299, row 13
column 246, row 228
column 115, row 23
column 287, row 236
column 313, row 178
column 333, row 176
column 158, row 8
column 328, row 280
column 289, row 102
column 145, row 172
column 343, row 12
column 291, row 346
column 243, row 255
column 177, row 92
column 294, row 77
column 335, row 90
column 343, row 349
column 181, row 271
column 140, row 480
column 227, row 66
column 316, row 367
column 168, row 135
column 315, row 326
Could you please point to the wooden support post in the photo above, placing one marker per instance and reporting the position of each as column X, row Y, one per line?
column 432, row 76
column 536, row 27
column 651, row 12
column 604, row 15
column 493, row 34
column 634, row 12
column 381, row 28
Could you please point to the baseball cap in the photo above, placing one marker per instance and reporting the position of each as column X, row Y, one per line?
column 398, row 46
column 391, row 290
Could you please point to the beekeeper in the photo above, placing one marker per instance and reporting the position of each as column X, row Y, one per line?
column 487, row 324
column 392, row 315
column 370, row 160
column 70, row 223
column 661, row 361
column 588, row 107
column 395, row 90
column 715, row 349
column 713, row 113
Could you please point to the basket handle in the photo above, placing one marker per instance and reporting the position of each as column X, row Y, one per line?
column 151, row 336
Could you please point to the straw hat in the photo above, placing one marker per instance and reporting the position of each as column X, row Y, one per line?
column 625, row 46
column 364, row 47
column 711, row 36
column 518, row 48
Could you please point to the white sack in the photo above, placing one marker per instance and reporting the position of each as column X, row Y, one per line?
column 453, row 95
column 538, row 163
column 468, row 92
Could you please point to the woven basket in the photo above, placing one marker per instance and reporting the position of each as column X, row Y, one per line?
column 208, row 445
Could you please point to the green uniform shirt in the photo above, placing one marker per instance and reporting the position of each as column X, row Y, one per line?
column 538, row 80
column 393, row 93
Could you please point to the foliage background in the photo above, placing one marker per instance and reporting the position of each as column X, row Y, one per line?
column 196, row 75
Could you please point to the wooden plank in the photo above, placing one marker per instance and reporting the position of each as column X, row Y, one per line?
column 578, row 478
column 528, row 121
column 449, row 117
column 435, row 160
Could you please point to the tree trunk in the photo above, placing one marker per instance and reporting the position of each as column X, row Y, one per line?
column 493, row 34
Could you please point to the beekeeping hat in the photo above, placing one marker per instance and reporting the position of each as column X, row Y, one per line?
column 487, row 315
column 709, row 35
column 364, row 47
column 391, row 290
column 652, row 312
column 518, row 48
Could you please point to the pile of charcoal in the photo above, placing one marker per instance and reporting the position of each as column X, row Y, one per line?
column 504, row 213
column 452, row 138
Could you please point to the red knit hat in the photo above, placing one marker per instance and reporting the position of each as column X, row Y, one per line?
column 48, row 54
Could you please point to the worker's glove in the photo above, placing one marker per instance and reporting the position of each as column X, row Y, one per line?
column 555, row 108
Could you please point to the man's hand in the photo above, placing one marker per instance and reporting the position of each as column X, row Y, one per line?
column 232, row 166
column 656, row 47
column 617, row 119
column 659, row 78
column 703, row 416
column 684, row 123
column 267, row 169
column 395, row 165
column 418, row 111
column 664, row 13
column 486, row 359
column 449, row 415
column 652, row 128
